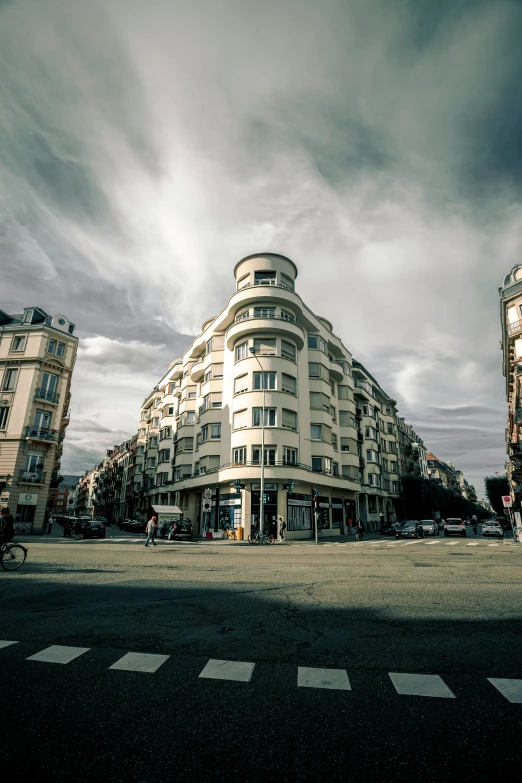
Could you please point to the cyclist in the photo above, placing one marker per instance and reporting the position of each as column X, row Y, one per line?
column 6, row 526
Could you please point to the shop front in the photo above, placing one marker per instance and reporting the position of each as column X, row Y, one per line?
column 299, row 515
column 229, row 511
column 269, row 508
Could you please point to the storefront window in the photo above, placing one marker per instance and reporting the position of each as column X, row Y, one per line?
column 230, row 510
column 324, row 511
column 337, row 512
column 299, row 511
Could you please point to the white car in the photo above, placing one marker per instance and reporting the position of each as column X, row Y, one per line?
column 454, row 525
column 430, row 527
column 492, row 528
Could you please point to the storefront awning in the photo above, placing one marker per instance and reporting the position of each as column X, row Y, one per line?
column 167, row 509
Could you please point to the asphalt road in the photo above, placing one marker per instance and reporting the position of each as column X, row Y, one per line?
column 448, row 609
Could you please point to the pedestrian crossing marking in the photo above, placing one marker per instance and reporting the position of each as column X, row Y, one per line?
column 511, row 689
column 140, row 662
column 333, row 679
column 493, row 544
column 239, row 671
column 473, row 544
column 430, row 543
column 421, row 685
column 453, row 543
column 5, row 643
column 57, row 653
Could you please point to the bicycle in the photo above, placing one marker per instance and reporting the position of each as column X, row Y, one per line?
column 265, row 538
column 12, row 556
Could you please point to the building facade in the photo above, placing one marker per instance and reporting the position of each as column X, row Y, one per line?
column 64, row 501
column 37, row 357
column 413, row 460
column 511, row 344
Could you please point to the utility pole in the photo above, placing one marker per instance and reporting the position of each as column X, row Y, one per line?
column 262, row 493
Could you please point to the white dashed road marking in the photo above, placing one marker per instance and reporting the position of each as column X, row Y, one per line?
column 453, row 543
column 493, row 544
column 58, row 654
column 473, row 544
column 511, row 689
column 239, row 671
column 334, row 679
column 140, row 662
column 421, row 685
column 5, row 643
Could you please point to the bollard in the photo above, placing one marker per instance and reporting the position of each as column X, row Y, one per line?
column 240, row 533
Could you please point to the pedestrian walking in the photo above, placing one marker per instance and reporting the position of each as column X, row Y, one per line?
column 282, row 528
column 350, row 526
column 151, row 528
column 381, row 520
column 49, row 526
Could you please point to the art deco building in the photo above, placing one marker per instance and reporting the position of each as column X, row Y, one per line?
column 328, row 424
column 511, row 344
column 37, row 356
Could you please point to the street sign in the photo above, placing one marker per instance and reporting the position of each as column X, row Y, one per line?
column 27, row 499
column 507, row 501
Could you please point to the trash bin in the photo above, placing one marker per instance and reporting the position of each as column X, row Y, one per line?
column 240, row 533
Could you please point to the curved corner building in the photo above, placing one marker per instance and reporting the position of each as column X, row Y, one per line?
column 328, row 425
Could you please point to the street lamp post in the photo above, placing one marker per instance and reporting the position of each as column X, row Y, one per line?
column 262, row 493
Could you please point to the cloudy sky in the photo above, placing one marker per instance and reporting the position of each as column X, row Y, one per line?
column 146, row 147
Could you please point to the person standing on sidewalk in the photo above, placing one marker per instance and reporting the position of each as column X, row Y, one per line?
column 152, row 525
column 49, row 526
column 282, row 528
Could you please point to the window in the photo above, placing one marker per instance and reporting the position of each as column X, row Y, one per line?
column 334, row 441
column 241, row 384
column 327, row 465
column 270, row 455
column 345, row 444
column 204, row 433
column 332, row 387
column 264, row 312
column 215, row 431
column 172, row 387
column 392, row 446
column 216, row 399
column 390, row 428
column 153, row 442
column 265, row 346
column 51, row 346
column 270, row 417
column 243, row 315
column 370, row 432
column 388, row 410
column 208, row 375
column 334, row 414
column 239, row 456
column 241, row 351
column 316, row 431
column 192, row 395
column 18, row 343
column 369, row 410
column 383, row 444
column 289, row 419
column 372, row 455
column 286, row 316
column 288, row 383
column 335, row 468
column 319, row 402
column 289, row 456
column 384, row 464
column 4, row 415
column 217, row 370
column 345, row 420
column 372, row 504
column 190, row 417
column 264, row 380
column 60, row 351
column 393, row 467
column 208, row 346
column 314, row 370
column 313, row 341
column 155, row 422
column 264, row 278
column 9, row 380
column 317, row 464
column 243, row 282
column 152, row 462
column 286, row 281
column 342, row 392
column 288, row 350
column 395, row 486
column 141, row 449
column 240, row 419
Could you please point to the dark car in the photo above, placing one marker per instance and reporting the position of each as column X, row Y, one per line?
column 137, row 526
column 389, row 529
column 411, row 528
column 93, row 529
column 181, row 529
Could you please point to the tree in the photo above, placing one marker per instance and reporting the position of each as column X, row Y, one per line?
column 496, row 486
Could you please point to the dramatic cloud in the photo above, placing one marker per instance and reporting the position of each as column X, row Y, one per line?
column 145, row 148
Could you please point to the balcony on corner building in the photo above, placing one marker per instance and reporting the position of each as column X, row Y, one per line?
column 47, row 395
column 40, row 433
column 34, row 476
column 266, row 322
column 514, row 328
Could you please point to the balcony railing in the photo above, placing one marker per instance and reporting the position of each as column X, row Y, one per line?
column 41, row 433
column 36, row 476
column 267, row 317
column 364, row 385
column 48, row 396
column 514, row 327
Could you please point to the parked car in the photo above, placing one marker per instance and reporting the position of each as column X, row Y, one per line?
column 181, row 529
column 389, row 528
column 137, row 526
column 430, row 527
column 454, row 525
column 410, row 528
column 492, row 528
column 93, row 529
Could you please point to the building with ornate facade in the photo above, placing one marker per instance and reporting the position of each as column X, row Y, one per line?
column 511, row 345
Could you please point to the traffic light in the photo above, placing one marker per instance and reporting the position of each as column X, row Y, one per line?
column 289, row 486
column 315, row 499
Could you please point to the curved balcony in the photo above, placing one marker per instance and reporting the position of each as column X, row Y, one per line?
column 276, row 294
column 197, row 372
column 336, row 371
column 277, row 324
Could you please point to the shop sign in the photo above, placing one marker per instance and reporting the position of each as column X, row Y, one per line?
column 299, row 502
column 27, row 499
column 268, row 487
column 337, row 505
column 326, row 505
column 232, row 502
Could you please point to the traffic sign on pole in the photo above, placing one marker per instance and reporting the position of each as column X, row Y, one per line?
column 507, row 501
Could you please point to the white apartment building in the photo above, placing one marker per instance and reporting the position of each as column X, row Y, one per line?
column 37, row 356
column 328, row 425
